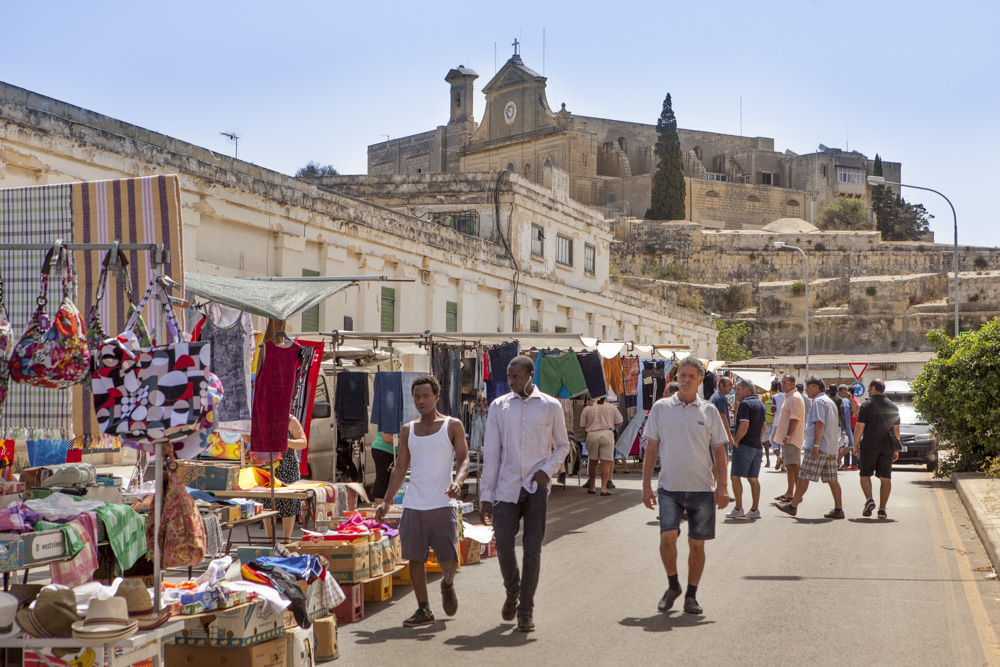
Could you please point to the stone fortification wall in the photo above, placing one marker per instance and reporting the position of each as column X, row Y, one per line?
column 725, row 205
column 417, row 153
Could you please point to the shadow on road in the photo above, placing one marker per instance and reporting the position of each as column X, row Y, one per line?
column 571, row 511
column 420, row 634
column 665, row 622
column 502, row 636
column 794, row 577
column 871, row 520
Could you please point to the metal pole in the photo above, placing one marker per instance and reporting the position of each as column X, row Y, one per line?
column 805, row 261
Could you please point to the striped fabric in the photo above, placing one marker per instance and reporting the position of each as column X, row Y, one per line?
column 33, row 215
column 134, row 210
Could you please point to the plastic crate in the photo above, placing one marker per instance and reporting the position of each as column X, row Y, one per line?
column 432, row 564
column 353, row 608
column 379, row 590
column 402, row 578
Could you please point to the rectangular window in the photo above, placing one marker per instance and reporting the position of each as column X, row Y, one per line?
column 824, row 171
column 534, row 326
column 537, row 241
column 589, row 258
column 564, row 250
column 766, row 178
column 310, row 316
column 348, row 323
column 451, row 316
column 388, row 309
column 849, row 175
column 465, row 224
column 715, row 177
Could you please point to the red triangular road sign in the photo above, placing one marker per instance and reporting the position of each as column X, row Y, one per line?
column 858, row 369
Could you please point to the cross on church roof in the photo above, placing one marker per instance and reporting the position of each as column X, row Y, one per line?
column 515, row 44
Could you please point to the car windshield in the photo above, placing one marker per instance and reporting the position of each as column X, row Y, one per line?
column 909, row 415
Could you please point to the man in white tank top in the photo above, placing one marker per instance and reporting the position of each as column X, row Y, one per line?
column 428, row 447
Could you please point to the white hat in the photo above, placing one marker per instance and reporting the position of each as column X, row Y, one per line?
column 107, row 620
column 8, row 608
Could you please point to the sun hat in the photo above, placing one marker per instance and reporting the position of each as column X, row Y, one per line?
column 140, row 604
column 106, row 620
column 8, row 609
column 53, row 615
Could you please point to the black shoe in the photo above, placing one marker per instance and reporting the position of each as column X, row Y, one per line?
column 834, row 514
column 668, row 599
column 869, row 508
column 787, row 508
column 691, row 606
column 509, row 610
column 448, row 598
column 611, row 484
column 882, row 514
column 525, row 624
column 561, row 479
column 423, row 616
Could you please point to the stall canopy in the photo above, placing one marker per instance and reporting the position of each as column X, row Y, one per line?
column 277, row 300
column 760, row 378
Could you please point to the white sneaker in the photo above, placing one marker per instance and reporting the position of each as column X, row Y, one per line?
column 735, row 514
column 752, row 514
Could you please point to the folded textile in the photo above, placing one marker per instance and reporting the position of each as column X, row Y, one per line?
column 17, row 518
column 307, row 568
column 126, row 530
column 71, row 536
column 285, row 583
column 274, row 600
column 81, row 568
column 330, row 592
column 214, row 543
column 216, row 571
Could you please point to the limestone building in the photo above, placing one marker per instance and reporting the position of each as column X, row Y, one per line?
column 488, row 252
column 733, row 182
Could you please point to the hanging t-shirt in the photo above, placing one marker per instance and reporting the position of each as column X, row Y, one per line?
column 231, row 341
column 272, row 398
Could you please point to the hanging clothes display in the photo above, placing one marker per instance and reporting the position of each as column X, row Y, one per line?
column 230, row 332
column 654, row 382
column 387, row 401
column 350, row 405
column 409, row 409
column 500, row 356
column 613, row 375
column 446, row 366
column 272, row 398
column 559, row 374
column 592, row 366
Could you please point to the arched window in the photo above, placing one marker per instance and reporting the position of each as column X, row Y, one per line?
column 622, row 144
column 612, row 197
column 510, row 167
column 548, row 162
column 697, row 152
column 792, row 203
column 527, row 171
column 712, row 194
column 753, row 199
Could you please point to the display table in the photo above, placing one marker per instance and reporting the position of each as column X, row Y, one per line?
column 39, row 563
column 283, row 493
column 140, row 646
column 266, row 515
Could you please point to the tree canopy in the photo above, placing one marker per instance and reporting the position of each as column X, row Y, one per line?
column 845, row 214
column 316, row 170
column 668, row 190
column 732, row 340
column 958, row 393
column 897, row 219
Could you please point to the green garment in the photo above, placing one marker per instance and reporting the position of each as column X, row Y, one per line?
column 381, row 445
column 74, row 543
column 126, row 530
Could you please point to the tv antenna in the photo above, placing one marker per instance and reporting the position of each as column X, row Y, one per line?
column 235, row 138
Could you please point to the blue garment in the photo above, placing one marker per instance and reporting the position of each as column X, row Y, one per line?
column 752, row 410
column 719, row 401
column 300, row 567
column 387, row 403
column 409, row 408
column 846, row 409
column 500, row 357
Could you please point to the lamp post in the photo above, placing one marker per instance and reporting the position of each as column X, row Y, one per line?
column 879, row 180
column 805, row 261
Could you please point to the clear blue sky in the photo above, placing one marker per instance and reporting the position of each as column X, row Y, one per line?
column 915, row 81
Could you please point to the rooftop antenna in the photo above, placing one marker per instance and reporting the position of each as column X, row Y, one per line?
column 235, row 138
column 847, row 139
column 543, row 51
column 495, row 69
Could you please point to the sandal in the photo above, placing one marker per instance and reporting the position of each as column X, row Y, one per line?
column 606, row 493
column 591, row 491
column 783, row 499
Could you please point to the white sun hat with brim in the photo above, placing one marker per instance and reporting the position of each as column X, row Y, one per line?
column 106, row 620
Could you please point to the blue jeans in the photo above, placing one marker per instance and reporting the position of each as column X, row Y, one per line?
column 700, row 506
column 507, row 517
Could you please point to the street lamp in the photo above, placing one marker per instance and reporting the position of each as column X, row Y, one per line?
column 805, row 261
column 879, row 180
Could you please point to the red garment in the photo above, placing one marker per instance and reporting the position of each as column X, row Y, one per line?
column 272, row 398
column 196, row 332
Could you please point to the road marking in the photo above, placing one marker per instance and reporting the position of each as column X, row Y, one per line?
column 961, row 651
column 987, row 637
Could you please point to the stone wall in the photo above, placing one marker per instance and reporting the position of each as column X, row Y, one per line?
column 725, row 205
column 417, row 153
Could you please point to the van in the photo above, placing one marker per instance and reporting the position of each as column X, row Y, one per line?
column 356, row 465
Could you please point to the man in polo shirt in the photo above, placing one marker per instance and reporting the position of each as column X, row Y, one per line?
column 686, row 433
column 600, row 421
column 789, row 429
column 720, row 401
column 819, row 451
column 748, row 450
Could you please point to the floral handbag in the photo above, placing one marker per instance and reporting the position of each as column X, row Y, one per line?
column 182, row 531
column 95, row 328
column 52, row 355
column 152, row 395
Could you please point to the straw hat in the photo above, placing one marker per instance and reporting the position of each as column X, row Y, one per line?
column 53, row 615
column 8, row 608
column 140, row 604
column 107, row 620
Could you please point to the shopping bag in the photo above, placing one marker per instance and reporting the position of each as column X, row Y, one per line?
column 47, row 452
column 182, row 531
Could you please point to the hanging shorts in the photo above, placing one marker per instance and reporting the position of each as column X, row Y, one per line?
column 555, row 372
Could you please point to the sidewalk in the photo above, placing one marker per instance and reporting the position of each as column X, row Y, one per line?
column 981, row 497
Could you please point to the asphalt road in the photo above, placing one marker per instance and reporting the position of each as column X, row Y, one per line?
column 913, row 589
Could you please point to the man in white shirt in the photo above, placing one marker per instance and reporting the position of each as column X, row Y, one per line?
column 524, row 445
column 690, row 438
column 821, row 446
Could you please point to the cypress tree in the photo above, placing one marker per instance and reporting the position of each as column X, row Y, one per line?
column 877, row 169
column 667, row 196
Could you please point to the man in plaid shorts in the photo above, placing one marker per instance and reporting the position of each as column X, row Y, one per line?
column 819, row 450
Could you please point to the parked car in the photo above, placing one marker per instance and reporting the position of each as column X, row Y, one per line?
column 920, row 445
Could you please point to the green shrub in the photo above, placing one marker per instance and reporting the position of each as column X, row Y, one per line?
column 980, row 263
column 797, row 289
column 973, row 297
column 870, row 290
column 734, row 298
column 674, row 272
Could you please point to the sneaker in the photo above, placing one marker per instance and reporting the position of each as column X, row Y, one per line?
column 787, row 508
column 691, row 606
column 777, row 464
column 869, row 508
column 423, row 616
column 509, row 610
column 835, row 514
column 611, row 484
column 882, row 514
column 448, row 598
column 525, row 623
column 668, row 599
column 736, row 514
column 752, row 514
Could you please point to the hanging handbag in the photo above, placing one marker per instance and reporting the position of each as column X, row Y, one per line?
column 52, row 355
column 156, row 394
column 182, row 531
column 6, row 344
column 95, row 328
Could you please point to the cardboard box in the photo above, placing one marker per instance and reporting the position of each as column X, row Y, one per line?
column 40, row 546
column 397, row 551
column 220, row 477
column 246, row 626
column 266, row 654
column 250, row 554
column 11, row 554
column 488, row 550
column 468, row 551
column 375, row 566
column 325, row 630
column 300, row 648
column 387, row 558
column 349, row 563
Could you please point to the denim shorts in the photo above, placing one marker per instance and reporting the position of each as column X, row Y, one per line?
column 700, row 506
column 746, row 462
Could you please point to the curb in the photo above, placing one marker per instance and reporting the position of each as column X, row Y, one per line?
column 988, row 528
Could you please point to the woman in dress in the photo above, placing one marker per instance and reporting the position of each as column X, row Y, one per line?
column 288, row 472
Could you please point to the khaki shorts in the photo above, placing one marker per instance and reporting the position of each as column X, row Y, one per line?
column 791, row 455
column 601, row 445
